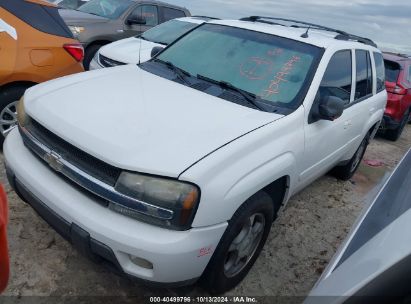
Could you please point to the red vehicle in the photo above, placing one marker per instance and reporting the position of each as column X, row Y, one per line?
column 398, row 84
column 4, row 258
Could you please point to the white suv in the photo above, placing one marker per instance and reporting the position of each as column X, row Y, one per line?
column 175, row 169
column 140, row 48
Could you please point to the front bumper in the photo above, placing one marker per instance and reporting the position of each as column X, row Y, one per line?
column 176, row 256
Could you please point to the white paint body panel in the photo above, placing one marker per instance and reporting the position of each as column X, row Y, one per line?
column 137, row 121
column 134, row 49
column 167, row 250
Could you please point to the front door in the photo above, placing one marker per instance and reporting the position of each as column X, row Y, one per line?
column 327, row 141
column 145, row 11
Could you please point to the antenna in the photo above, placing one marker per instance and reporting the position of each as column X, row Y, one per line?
column 305, row 35
column 141, row 33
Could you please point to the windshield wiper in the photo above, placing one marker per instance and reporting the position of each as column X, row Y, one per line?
column 181, row 74
column 250, row 97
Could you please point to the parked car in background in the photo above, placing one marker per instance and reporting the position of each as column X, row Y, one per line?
column 72, row 4
column 35, row 46
column 175, row 169
column 398, row 83
column 4, row 255
column 100, row 22
column 139, row 49
column 373, row 265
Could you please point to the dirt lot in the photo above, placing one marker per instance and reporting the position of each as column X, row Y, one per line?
column 301, row 243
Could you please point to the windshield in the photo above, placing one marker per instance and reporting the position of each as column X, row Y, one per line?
column 168, row 32
column 273, row 68
column 111, row 9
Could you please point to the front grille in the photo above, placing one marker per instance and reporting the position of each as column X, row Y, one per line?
column 108, row 63
column 78, row 158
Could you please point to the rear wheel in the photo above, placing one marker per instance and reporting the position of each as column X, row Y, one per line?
column 8, row 112
column 395, row 134
column 347, row 171
column 240, row 245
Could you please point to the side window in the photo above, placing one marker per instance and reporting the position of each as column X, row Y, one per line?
column 380, row 69
column 171, row 13
column 364, row 74
column 409, row 74
column 148, row 12
column 338, row 77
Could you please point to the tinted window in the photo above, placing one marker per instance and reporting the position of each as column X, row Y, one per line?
column 111, row 9
column 338, row 77
column 409, row 74
column 148, row 12
column 271, row 67
column 392, row 70
column 170, row 13
column 380, row 69
column 364, row 74
column 169, row 31
column 45, row 19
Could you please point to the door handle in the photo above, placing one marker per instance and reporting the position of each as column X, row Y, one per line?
column 347, row 124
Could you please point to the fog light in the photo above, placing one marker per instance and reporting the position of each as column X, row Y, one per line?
column 141, row 262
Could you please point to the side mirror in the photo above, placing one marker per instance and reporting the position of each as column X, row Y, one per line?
column 138, row 20
column 156, row 50
column 330, row 108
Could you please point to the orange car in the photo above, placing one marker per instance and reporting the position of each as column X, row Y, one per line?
column 4, row 258
column 35, row 46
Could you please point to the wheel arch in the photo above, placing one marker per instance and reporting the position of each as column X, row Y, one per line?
column 26, row 84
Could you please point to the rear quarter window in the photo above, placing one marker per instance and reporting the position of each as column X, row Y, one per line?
column 380, row 71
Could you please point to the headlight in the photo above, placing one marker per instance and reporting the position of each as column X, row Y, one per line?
column 168, row 203
column 21, row 113
column 76, row 30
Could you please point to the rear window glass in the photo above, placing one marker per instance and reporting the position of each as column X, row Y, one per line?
column 43, row 18
column 392, row 70
column 364, row 74
column 380, row 69
column 170, row 13
column 338, row 77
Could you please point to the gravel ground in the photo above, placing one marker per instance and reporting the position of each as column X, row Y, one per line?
column 302, row 241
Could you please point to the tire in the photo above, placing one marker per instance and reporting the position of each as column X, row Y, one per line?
column 222, row 273
column 89, row 54
column 395, row 134
column 8, row 101
column 347, row 171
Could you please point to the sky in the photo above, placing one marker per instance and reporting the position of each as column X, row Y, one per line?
column 386, row 22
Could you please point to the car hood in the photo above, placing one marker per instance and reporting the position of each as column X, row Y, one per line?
column 128, row 50
column 73, row 17
column 138, row 121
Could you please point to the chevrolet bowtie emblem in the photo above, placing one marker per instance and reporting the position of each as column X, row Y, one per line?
column 53, row 159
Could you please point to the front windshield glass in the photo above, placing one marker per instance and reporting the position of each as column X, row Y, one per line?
column 273, row 68
column 168, row 32
column 111, row 9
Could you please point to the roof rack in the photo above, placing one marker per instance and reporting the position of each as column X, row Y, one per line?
column 301, row 24
column 205, row 17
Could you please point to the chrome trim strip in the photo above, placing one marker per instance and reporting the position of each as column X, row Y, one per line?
column 90, row 183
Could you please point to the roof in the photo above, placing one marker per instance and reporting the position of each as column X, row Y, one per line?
column 195, row 20
column 316, row 37
column 396, row 57
column 161, row 3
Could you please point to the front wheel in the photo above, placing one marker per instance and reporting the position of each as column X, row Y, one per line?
column 8, row 110
column 348, row 170
column 240, row 245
